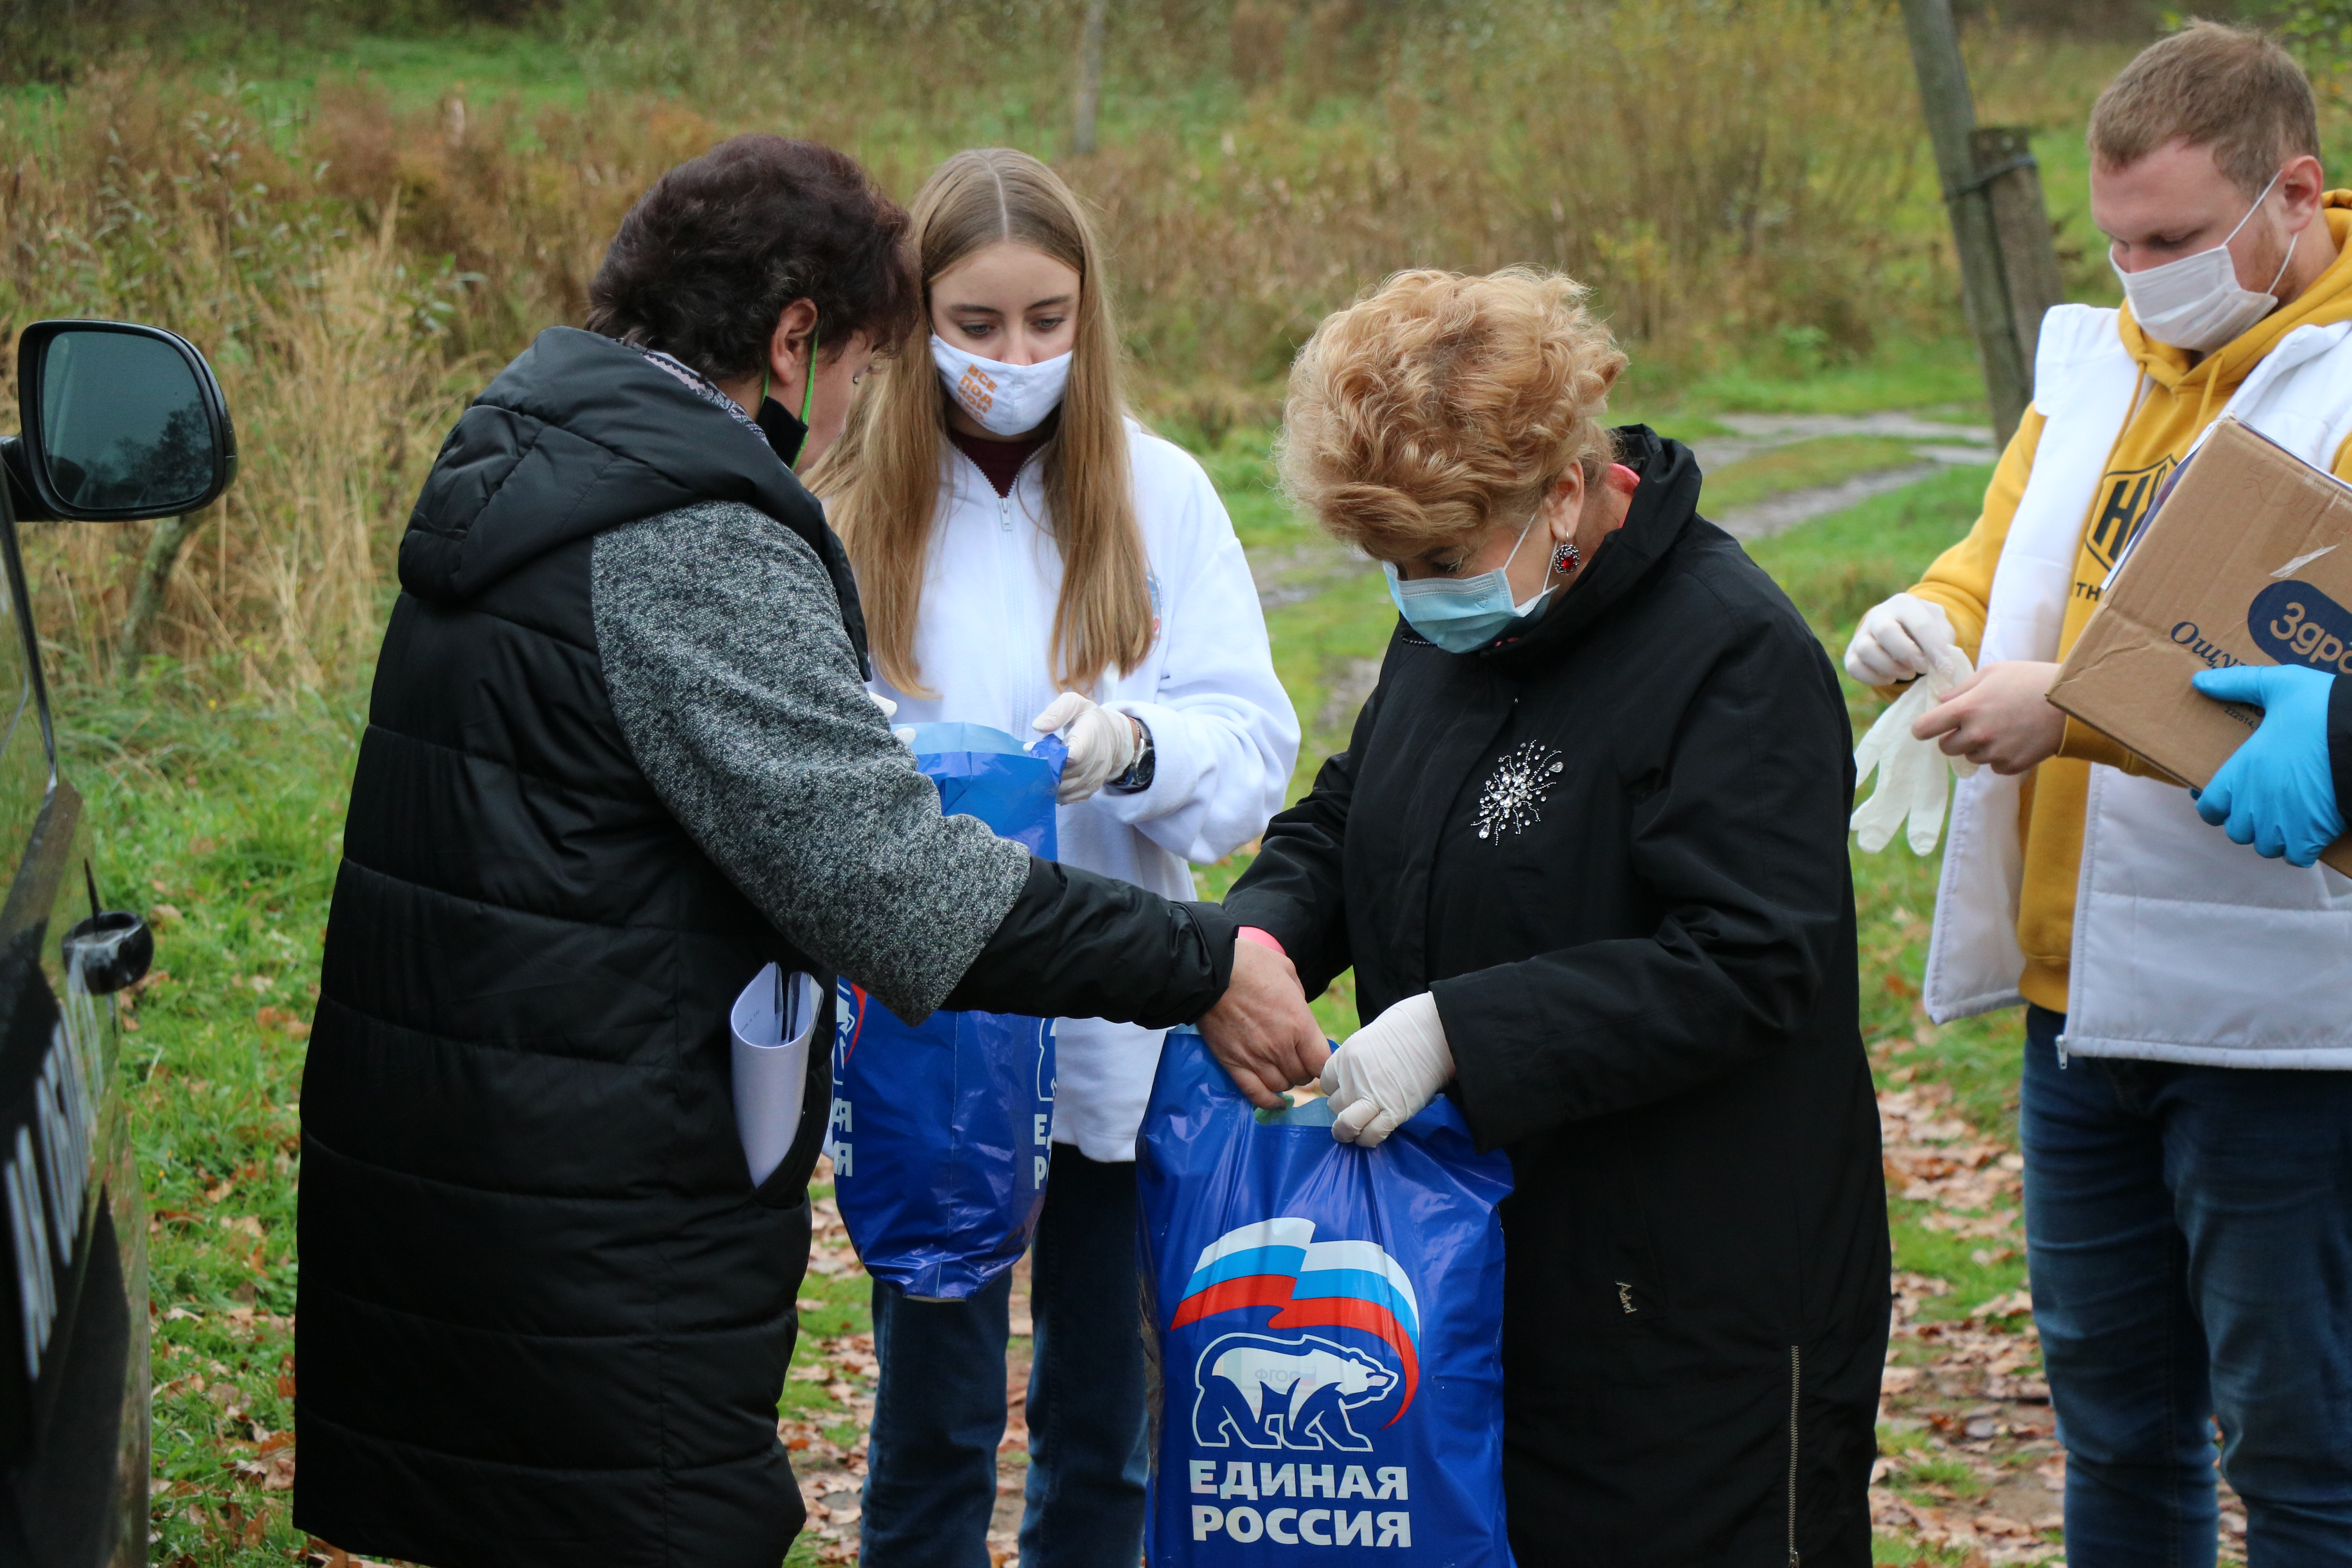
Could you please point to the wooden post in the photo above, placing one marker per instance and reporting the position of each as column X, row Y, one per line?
column 1090, row 41
column 2020, row 222
column 171, row 534
column 1989, row 205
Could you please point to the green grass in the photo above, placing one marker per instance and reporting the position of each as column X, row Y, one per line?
column 1240, row 463
column 1898, row 373
column 224, row 825
column 423, row 69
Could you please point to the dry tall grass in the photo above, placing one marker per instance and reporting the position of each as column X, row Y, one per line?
column 1719, row 169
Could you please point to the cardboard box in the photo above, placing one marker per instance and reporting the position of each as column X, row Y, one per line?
column 2246, row 559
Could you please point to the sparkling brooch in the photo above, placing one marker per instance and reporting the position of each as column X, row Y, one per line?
column 1521, row 783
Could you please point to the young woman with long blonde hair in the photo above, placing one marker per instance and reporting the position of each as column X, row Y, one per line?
column 1031, row 559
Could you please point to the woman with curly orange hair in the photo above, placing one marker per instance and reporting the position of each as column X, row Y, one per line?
column 1586, row 852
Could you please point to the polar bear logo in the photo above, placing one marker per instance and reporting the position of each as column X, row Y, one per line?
column 1284, row 1394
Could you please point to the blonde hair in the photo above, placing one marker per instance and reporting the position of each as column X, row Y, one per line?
column 881, row 479
column 2229, row 89
column 1439, row 404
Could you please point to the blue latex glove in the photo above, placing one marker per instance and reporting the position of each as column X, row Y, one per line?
column 2276, row 793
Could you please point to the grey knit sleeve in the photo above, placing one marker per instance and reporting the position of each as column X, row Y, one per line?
column 738, row 693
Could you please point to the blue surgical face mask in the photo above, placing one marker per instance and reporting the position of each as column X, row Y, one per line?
column 1462, row 614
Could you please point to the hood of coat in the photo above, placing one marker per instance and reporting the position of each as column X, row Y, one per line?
column 579, row 434
column 1663, row 504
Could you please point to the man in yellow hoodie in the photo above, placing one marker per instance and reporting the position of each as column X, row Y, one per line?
column 2188, row 1217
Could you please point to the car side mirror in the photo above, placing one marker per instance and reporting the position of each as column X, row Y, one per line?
column 121, row 422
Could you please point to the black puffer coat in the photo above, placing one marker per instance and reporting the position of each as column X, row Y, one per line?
column 1615, row 851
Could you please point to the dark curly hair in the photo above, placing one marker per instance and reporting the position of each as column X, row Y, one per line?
column 712, row 254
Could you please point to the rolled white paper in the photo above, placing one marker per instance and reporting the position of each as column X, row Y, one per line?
column 773, row 1021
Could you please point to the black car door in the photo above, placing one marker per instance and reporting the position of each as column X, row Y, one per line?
column 73, row 1307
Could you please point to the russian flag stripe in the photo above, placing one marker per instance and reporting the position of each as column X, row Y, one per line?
column 1239, row 1265
column 1367, row 1256
column 1231, row 1295
column 1355, row 1284
column 1283, row 1232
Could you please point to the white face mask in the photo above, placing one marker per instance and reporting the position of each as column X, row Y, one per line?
column 2195, row 303
column 1007, row 399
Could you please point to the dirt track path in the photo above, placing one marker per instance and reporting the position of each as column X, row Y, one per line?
column 1935, row 445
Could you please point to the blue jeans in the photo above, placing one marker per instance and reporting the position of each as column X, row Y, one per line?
column 938, row 1408
column 2189, row 1233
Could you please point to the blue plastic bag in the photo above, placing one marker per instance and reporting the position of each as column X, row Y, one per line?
column 1326, row 1327
column 940, row 1136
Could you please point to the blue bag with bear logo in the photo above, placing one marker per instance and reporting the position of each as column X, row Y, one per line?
column 1326, row 1331
column 941, row 1134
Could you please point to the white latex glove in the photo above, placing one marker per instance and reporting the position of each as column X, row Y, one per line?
column 1387, row 1071
column 1898, row 640
column 1103, row 744
column 1914, row 776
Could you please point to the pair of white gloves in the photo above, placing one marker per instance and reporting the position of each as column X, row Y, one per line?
column 1103, row 743
column 1906, row 639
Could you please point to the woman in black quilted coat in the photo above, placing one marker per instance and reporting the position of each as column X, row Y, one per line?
column 1586, row 852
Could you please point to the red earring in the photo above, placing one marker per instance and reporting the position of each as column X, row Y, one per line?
column 1567, row 558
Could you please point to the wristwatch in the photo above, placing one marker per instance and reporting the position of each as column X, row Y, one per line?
column 1138, row 777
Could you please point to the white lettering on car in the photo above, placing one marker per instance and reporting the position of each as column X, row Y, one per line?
column 28, row 1218
column 49, row 1173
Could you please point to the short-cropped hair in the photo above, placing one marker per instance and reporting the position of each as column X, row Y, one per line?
column 710, row 256
column 1439, row 404
column 2231, row 91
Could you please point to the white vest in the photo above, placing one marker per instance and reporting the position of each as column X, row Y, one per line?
column 2187, row 948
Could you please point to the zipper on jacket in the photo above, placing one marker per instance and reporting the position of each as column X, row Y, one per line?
column 1004, row 502
column 1796, row 1386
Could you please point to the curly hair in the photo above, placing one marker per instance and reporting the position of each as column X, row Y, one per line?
column 1439, row 403
column 710, row 256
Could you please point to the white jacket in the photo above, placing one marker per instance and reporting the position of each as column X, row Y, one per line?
column 2187, row 948
column 1223, row 733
